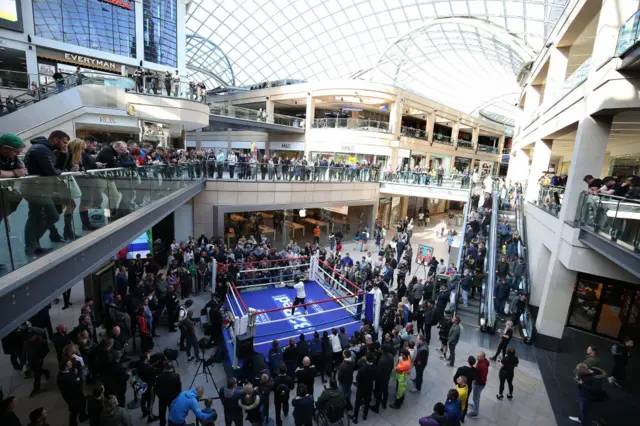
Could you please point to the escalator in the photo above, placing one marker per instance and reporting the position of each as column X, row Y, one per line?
column 473, row 314
column 506, row 217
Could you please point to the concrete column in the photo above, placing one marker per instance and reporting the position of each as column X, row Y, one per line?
column 475, row 132
column 532, row 100
column 613, row 14
column 311, row 112
column 558, row 61
column 427, row 158
column 454, row 133
column 267, row 146
column 556, row 298
column 269, row 109
column 518, row 166
column 431, row 121
column 501, row 144
column 587, row 158
column 539, row 165
column 395, row 117
column 198, row 139
column 372, row 216
column 394, row 158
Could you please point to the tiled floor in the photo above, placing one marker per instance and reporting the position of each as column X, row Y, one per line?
column 530, row 405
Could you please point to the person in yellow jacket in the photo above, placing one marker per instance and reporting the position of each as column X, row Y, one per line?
column 403, row 367
column 463, row 394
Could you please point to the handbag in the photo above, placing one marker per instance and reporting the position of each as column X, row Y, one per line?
column 506, row 308
column 74, row 189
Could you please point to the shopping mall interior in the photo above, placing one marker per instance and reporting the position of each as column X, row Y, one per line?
column 199, row 193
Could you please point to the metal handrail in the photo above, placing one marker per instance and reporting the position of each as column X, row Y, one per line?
column 462, row 249
column 525, row 331
column 489, row 319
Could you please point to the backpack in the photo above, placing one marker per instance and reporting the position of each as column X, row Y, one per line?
column 282, row 392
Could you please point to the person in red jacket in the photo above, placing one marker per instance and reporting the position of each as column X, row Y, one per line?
column 482, row 371
column 146, row 341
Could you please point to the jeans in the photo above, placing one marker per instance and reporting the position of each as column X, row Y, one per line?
column 583, row 416
column 220, row 170
column 231, row 169
column 477, row 391
column 346, row 391
column 419, row 374
column 42, row 215
column 60, row 86
column 465, row 298
column 452, row 353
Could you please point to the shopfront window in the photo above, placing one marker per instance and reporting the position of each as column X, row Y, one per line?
column 349, row 158
column 437, row 160
column 606, row 307
column 160, row 24
column 462, row 163
column 94, row 24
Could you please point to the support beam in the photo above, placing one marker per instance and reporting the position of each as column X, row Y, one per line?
column 558, row 61
column 475, row 133
column 269, row 108
column 431, row 121
column 455, row 129
column 539, row 165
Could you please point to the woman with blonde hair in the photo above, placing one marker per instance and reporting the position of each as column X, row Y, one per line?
column 74, row 164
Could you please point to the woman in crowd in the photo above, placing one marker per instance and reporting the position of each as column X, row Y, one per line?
column 74, row 164
column 504, row 341
column 509, row 363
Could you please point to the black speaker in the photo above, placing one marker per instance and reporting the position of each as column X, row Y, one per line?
column 244, row 346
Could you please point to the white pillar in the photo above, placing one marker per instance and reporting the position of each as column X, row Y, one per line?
column 587, row 158
column 395, row 117
column 311, row 112
column 431, row 121
column 198, row 139
column 455, row 129
column 532, row 101
column 613, row 13
column 539, row 165
column 501, row 146
column 269, row 107
column 475, row 133
column 558, row 61
column 518, row 166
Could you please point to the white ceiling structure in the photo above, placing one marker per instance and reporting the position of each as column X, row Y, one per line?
column 462, row 53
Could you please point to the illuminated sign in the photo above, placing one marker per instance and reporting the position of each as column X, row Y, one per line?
column 11, row 15
column 120, row 3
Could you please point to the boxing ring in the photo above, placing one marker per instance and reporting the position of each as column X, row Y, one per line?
column 261, row 297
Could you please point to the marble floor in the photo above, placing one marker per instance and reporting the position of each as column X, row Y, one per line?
column 530, row 406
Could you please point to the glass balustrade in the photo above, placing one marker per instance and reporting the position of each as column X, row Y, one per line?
column 550, row 199
column 43, row 91
column 612, row 217
column 360, row 124
column 255, row 115
column 442, row 139
column 414, row 133
column 465, row 144
column 42, row 214
column 629, row 34
column 487, row 149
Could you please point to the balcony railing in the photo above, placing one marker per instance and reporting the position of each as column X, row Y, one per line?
column 255, row 115
column 442, row 139
column 30, row 206
column 352, row 124
column 414, row 133
column 613, row 217
column 487, row 149
column 629, row 34
column 550, row 199
column 578, row 77
column 465, row 144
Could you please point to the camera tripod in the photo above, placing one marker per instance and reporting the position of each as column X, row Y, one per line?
column 204, row 370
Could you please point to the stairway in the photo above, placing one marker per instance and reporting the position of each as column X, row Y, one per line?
column 469, row 316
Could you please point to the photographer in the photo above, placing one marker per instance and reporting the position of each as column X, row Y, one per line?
column 187, row 401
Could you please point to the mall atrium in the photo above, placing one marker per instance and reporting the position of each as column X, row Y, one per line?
column 198, row 195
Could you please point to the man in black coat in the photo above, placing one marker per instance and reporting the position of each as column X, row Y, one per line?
column 345, row 376
column 306, row 374
column 168, row 387
column 116, row 377
column 365, row 379
column 35, row 351
column 282, row 387
column 384, row 368
column 70, row 386
column 61, row 338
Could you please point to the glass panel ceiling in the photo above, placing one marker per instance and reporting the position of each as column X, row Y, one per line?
column 270, row 40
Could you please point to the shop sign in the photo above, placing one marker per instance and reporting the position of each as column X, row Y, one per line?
column 404, row 153
column 79, row 59
column 120, row 3
column 286, row 146
column 105, row 119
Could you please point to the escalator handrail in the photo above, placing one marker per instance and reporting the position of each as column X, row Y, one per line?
column 461, row 249
column 490, row 313
column 524, row 252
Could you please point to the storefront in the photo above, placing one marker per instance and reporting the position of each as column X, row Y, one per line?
column 237, row 147
column 412, row 158
column 289, row 150
column 438, row 159
column 485, row 168
column 462, row 163
column 606, row 307
column 351, row 153
column 50, row 61
column 107, row 128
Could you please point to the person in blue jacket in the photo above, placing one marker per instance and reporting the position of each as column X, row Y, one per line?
column 187, row 401
column 453, row 408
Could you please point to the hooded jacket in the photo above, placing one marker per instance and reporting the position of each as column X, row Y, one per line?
column 433, row 420
column 454, row 411
column 114, row 416
column 229, row 399
column 330, row 398
column 185, row 402
column 41, row 159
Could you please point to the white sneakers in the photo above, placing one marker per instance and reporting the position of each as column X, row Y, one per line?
column 575, row 419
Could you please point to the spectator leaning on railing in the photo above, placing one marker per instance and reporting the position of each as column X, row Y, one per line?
column 611, row 185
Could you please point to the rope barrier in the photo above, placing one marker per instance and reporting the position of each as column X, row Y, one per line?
column 271, row 269
column 265, row 284
column 267, row 342
column 306, row 315
column 238, row 296
column 340, row 275
column 305, row 304
column 336, row 281
column 306, row 328
column 231, row 305
column 293, row 259
column 340, row 302
column 265, row 278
